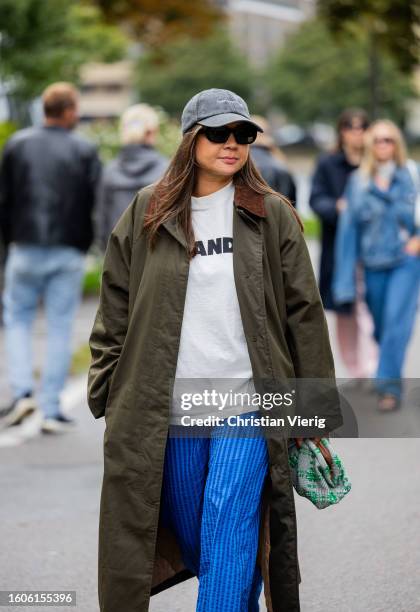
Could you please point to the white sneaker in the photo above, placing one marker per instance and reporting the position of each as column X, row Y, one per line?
column 58, row 424
column 18, row 410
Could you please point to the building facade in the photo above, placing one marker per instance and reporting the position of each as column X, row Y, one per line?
column 261, row 27
column 106, row 90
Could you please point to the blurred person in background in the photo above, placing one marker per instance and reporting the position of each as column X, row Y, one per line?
column 137, row 165
column 353, row 322
column 377, row 227
column 270, row 162
column 49, row 176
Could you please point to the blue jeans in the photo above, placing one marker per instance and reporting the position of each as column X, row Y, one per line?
column 211, row 498
column 53, row 274
column 392, row 297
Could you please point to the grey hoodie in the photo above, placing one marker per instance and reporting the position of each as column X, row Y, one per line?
column 135, row 167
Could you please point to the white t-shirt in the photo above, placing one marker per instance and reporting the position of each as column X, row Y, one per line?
column 212, row 344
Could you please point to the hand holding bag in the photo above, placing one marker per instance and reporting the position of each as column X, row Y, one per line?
column 313, row 478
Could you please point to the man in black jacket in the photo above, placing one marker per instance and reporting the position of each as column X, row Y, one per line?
column 47, row 190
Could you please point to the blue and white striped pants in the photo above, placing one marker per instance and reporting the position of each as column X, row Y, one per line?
column 211, row 498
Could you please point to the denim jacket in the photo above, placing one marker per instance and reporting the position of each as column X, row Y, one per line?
column 373, row 228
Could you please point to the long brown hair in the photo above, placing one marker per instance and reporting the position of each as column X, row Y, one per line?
column 172, row 194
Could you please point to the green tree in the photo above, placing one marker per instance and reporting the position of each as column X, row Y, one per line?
column 156, row 23
column 315, row 76
column 391, row 26
column 92, row 37
column 47, row 40
column 6, row 130
column 170, row 78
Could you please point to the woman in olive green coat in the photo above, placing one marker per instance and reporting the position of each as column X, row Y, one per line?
column 137, row 340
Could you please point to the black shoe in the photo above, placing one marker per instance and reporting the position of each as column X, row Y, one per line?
column 19, row 409
column 58, row 424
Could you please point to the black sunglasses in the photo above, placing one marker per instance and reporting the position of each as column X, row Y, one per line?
column 243, row 134
column 384, row 140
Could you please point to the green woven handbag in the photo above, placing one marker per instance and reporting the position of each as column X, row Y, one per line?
column 313, row 478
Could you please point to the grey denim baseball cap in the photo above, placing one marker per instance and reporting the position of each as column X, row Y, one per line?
column 215, row 107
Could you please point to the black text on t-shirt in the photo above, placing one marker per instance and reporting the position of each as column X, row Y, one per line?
column 214, row 246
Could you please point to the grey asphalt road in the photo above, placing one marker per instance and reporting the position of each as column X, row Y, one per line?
column 362, row 555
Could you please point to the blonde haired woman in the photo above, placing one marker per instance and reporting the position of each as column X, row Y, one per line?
column 139, row 124
column 377, row 227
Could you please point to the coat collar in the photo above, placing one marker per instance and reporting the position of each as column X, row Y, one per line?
column 244, row 198
column 399, row 178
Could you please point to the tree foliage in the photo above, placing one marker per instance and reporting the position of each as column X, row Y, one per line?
column 395, row 24
column 158, row 22
column 170, row 78
column 315, row 76
column 92, row 38
column 391, row 27
column 47, row 40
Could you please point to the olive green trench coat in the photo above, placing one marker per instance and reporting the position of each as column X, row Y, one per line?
column 134, row 346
